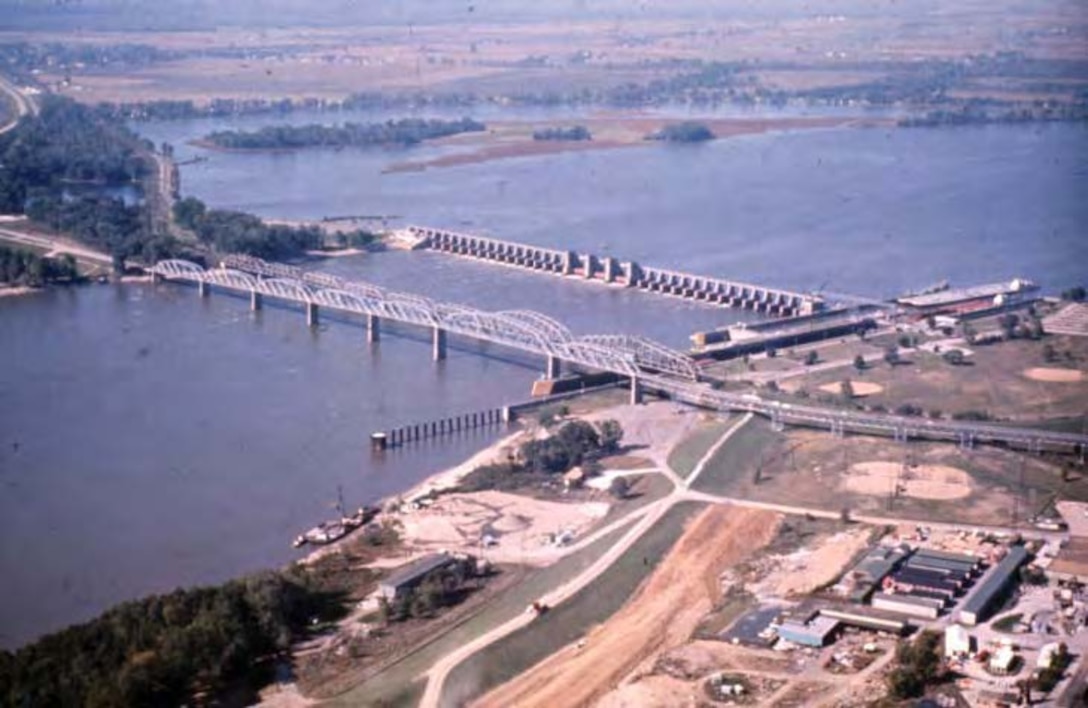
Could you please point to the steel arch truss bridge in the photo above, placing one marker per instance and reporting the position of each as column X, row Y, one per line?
column 523, row 330
column 649, row 365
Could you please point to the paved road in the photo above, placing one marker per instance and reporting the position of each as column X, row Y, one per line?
column 24, row 105
column 439, row 672
column 436, row 677
column 56, row 246
column 840, row 420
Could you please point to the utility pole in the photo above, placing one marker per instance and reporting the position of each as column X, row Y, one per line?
column 1016, row 494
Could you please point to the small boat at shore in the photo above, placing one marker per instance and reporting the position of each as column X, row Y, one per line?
column 331, row 531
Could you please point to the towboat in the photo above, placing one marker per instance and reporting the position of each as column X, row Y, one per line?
column 330, row 531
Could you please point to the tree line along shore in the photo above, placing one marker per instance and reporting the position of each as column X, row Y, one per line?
column 69, row 144
column 405, row 132
column 208, row 644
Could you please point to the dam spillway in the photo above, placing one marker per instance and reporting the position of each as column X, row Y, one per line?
column 624, row 273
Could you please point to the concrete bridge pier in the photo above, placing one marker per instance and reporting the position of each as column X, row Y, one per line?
column 373, row 328
column 155, row 278
column 255, row 301
column 610, row 270
column 202, row 288
column 311, row 314
column 568, row 263
column 636, row 391
column 553, row 367
column 589, row 264
column 438, row 344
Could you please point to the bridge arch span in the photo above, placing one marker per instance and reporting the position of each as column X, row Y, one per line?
column 288, row 289
column 648, row 354
column 232, row 279
column 178, row 268
column 547, row 326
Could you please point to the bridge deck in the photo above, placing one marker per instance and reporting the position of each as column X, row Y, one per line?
column 649, row 364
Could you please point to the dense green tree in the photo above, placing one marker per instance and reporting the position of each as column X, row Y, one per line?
column 572, row 133
column 156, row 651
column 1008, row 323
column 611, row 433
column 620, row 487
column 918, row 663
column 408, row 131
column 236, row 232
column 1076, row 294
column 65, row 143
column 686, row 132
column 846, row 389
column 954, row 357
column 21, row 267
column 189, row 212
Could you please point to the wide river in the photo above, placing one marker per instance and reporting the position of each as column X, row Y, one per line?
column 150, row 439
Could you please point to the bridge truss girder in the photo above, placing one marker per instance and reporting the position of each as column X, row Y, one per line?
column 519, row 329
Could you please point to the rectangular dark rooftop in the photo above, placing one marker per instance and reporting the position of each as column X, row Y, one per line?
column 418, row 569
column 995, row 582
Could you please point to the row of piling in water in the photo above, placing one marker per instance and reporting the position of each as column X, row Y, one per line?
column 417, row 432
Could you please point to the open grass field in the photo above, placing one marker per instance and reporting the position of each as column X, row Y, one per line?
column 395, row 685
column 740, row 457
column 683, row 458
column 645, row 489
column 877, row 477
column 997, row 380
column 786, row 48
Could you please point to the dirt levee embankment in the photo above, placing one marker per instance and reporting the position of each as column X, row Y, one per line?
column 660, row 616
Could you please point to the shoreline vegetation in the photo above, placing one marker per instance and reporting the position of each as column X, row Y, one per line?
column 573, row 133
column 202, row 643
column 173, row 648
column 686, row 132
column 992, row 80
column 236, row 232
column 22, row 271
column 404, row 132
column 509, row 139
column 68, row 143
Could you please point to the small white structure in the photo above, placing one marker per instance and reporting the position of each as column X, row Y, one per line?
column 1002, row 660
column 1046, row 656
column 957, row 642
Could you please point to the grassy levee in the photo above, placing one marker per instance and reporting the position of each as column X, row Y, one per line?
column 395, row 685
column 736, row 460
column 683, row 458
column 570, row 620
column 646, row 489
